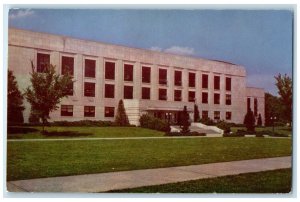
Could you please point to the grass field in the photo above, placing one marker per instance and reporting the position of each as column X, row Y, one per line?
column 277, row 181
column 91, row 132
column 26, row 160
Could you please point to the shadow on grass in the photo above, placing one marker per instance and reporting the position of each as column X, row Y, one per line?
column 21, row 130
column 65, row 134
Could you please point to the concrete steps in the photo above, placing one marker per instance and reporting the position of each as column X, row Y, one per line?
column 209, row 133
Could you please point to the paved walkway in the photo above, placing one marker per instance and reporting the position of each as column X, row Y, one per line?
column 137, row 178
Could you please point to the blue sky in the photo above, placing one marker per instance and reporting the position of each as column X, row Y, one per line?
column 260, row 40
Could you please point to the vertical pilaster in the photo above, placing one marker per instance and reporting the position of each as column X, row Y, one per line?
column 137, row 80
column 185, row 85
column 154, row 82
column 119, row 81
column 170, row 79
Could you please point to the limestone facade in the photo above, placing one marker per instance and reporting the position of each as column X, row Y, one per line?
column 24, row 46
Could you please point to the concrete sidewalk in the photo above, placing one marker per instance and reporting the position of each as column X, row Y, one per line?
column 137, row 178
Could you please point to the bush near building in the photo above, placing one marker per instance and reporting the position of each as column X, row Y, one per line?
column 148, row 121
column 121, row 117
column 249, row 121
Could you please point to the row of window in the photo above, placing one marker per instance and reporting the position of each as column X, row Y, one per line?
column 67, row 64
column 89, row 111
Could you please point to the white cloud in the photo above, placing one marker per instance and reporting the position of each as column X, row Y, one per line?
column 180, row 50
column 155, row 48
column 20, row 13
column 175, row 50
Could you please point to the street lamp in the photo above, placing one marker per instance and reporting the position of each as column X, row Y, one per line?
column 273, row 119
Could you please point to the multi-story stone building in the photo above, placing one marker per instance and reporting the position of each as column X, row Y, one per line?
column 148, row 81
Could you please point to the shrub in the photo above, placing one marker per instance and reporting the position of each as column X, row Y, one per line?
column 259, row 120
column 207, row 121
column 185, row 121
column 148, row 121
column 196, row 113
column 121, row 117
column 249, row 121
column 225, row 126
column 83, row 123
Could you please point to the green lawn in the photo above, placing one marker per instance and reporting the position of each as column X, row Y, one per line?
column 278, row 129
column 276, row 181
column 26, row 160
column 90, row 132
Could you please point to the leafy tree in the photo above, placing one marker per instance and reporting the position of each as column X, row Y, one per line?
column 14, row 101
column 273, row 107
column 259, row 120
column 249, row 120
column 46, row 91
column 185, row 121
column 121, row 118
column 196, row 113
column 284, row 85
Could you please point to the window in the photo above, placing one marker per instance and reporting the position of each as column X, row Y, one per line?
column 204, row 97
column 191, row 96
column 248, row 103
column 228, row 84
column 128, row 72
column 67, row 65
column 43, row 61
column 128, row 92
column 66, row 110
column 177, row 78
column 90, row 68
column 89, row 111
column 217, row 98
column 109, row 111
column 217, row 82
column 146, row 74
column 177, row 95
column 217, row 115
column 192, row 77
column 255, row 106
column 204, row 114
column 145, row 93
column 162, row 94
column 70, row 89
column 89, row 89
column 110, row 70
column 162, row 76
column 228, row 116
column 228, row 99
column 109, row 91
column 204, row 81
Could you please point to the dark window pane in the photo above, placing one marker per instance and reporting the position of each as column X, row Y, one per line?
column 191, row 96
column 90, row 68
column 248, row 103
column 146, row 74
column 217, row 115
column 128, row 72
column 109, row 111
column 67, row 65
column 89, row 111
column 178, row 78
column 228, row 99
column 109, row 91
column 228, row 115
column 255, row 106
column 89, row 89
column 204, row 81
column 70, row 89
column 145, row 93
column 204, row 97
column 177, row 95
column 128, row 92
column 204, row 114
column 66, row 110
column 110, row 70
column 43, row 61
column 216, row 98
column 162, row 76
column 192, row 77
column 228, row 84
column 162, row 94
column 217, row 82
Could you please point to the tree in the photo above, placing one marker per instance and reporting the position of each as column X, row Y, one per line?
column 14, row 101
column 185, row 121
column 284, row 85
column 121, row 117
column 196, row 113
column 249, row 120
column 273, row 107
column 46, row 91
column 259, row 120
